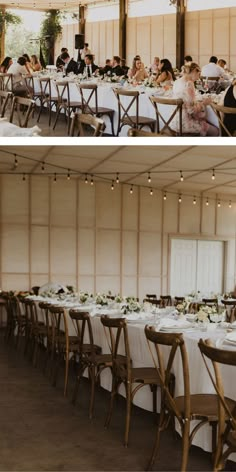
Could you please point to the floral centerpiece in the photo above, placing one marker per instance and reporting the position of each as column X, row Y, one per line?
column 101, row 299
column 131, row 305
column 83, row 297
column 149, row 82
column 118, row 299
column 208, row 314
column 181, row 307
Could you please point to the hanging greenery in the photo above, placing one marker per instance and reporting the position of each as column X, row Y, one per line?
column 50, row 30
column 6, row 18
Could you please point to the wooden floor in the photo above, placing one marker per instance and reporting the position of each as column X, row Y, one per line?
column 42, row 431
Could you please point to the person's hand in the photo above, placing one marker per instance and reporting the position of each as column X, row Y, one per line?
column 206, row 101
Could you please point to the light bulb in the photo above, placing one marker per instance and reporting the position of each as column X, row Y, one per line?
column 213, row 175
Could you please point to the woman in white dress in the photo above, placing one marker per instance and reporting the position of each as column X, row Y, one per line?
column 194, row 113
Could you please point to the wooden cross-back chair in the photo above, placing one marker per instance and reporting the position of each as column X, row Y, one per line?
column 89, row 98
column 230, row 308
column 220, row 112
column 128, row 111
column 185, row 408
column 140, row 133
column 5, row 98
column 81, row 122
column 30, row 84
column 6, row 82
column 176, row 112
column 22, row 108
column 133, row 378
column 167, row 301
column 89, row 355
column 48, row 99
column 226, row 436
column 64, row 344
column 64, row 103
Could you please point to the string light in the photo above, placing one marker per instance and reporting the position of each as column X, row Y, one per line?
column 91, row 181
column 15, row 161
column 68, row 174
column 181, row 176
column 230, row 204
column 213, row 175
column 55, row 178
column 207, row 202
column 112, row 185
column 131, row 189
column 151, row 191
column 165, row 197
column 86, row 179
column 149, row 178
column 117, row 178
column 218, row 204
column 180, row 198
column 42, row 167
column 194, row 200
column 23, row 178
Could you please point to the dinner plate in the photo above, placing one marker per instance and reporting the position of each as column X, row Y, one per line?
column 175, row 328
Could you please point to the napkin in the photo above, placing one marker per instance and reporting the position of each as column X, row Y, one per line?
column 231, row 337
column 169, row 323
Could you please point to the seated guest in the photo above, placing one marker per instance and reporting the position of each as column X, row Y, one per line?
column 124, row 66
column 212, row 69
column 35, row 63
column 229, row 100
column 5, row 64
column 59, row 61
column 154, row 66
column 28, row 63
column 69, row 64
column 17, row 70
column 88, row 67
column 222, row 63
column 166, row 73
column 188, row 59
column 194, row 115
column 137, row 71
column 116, row 67
column 107, row 68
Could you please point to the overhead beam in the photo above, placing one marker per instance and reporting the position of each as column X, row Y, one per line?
column 123, row 6
column 81, row 19
column 180, row 32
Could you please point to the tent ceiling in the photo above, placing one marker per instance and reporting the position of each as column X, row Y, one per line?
column 133, row 164
column 47, row 4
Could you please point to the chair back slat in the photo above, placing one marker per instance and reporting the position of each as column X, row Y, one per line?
column 117, row 336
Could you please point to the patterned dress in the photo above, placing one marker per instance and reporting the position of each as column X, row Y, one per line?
column 194, row 115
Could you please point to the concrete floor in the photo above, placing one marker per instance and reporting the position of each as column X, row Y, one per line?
column 42, row 430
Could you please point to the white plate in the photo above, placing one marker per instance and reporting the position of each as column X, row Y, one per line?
column 175, row 328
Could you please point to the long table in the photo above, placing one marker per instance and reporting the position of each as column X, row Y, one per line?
column 107, row 99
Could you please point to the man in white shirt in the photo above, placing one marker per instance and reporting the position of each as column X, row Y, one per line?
column 84, row 51
column 213, row 70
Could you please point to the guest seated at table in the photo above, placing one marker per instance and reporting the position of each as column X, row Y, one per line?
column 69, row 64
column 17, row 70
column 35, row 63
column 153, row 69
column 137, row 72
column 124, row 66
column 88, row 68
column 213, row 69
column 167, row 75
column 28, row 63
column 194, row 113
column 5, row 64
column 116, row 67
column 59, row 62
column 188, row 59
column 107, row 68
column 229, row 100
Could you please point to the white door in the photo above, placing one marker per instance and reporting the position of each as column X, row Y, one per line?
column 196, row 265
column 183, row 266
column 210, row 265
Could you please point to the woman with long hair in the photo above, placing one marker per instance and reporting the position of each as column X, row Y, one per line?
column 194, row 112
column 137, row 72
column 35, row 63
column 166, row 72
column 5, row 64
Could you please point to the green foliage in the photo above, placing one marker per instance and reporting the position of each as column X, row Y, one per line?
column 22, row 41
column 51, row 27
column 7, row 18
